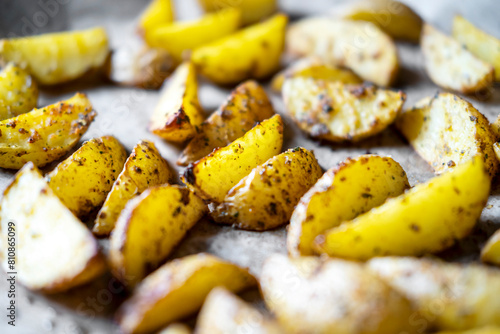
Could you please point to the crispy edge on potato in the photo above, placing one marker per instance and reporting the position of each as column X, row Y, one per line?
column 313, row 295
column 342, row 193
column 446, row 131
column 428, row 218
column 451, row 66
column 55, row 251
column 83, row 180
column 253, row 52
column 178, row 113
column 18, row 92
column 333, row 111
column 247, row 105
column 156, row 14
column 58, row 57
column 44, row 134
column 144, row 168
column 252, row 10
column 265, row 198
column 214, row 175
column 178, row 289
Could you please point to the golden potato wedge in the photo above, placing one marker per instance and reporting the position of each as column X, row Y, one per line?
column 158, row 13
column 180, row 38
column 178, row 112
column 214, row 175
column 313, row 295
column 451, row 66
column 393, row 17
column 247, row 105
column 357, row 45
column 224, row 313
column 314, row 67
column 446, row 131
column 253, row 52
column 491, row 251
column 178, row 289
column 252, row 10
column 484, row 330
column 45, row 134
column 342, row 193
column 265, row 198
column 53, row 250
column 58, row 57
column 144, row 168
column 426, row 219
column 484, row 46
column 337, row 112
column 18, row 92
column 448, row 296
column 83, row 180
column 176, row 328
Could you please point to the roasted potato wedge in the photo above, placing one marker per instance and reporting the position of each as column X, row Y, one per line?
column 144, row 168
column 265, row 198
column 55, row 251
column 451, row 66
column 247, row 105
column 393, row 17
column 45, row 134
column 428, row 218
column 342, row 193
column 448, row 296
column 337, row 42
column 178, row 289
column 18, row 92
column 337, row 112
column 83, row 180
column 225, row 313
column 180, row 38
column 214, row 175
column 491, row 251
column 481, row 44
column 178, row 112
column 253, row 52
column 176, row 328
column 58, row 57
column 158, row 13
column 252, row 10
column 313, row 295
column 446, row 131
column 484, row 330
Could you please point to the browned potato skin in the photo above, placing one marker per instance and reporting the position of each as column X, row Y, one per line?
column 247, row 105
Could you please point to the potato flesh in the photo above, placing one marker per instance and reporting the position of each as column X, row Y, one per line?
column 252, row 10
column 428, row 218
column 485, row 330
column 55, row 251
column 336, row 112
column 18, row 92
column 176, row 328
column 341, row 194
column 157, row 14
column 247, row 105
column 214, row 175
column 45, row 134
column 491, row 251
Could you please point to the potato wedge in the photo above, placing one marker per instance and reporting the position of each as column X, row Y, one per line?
column 393, row 17
column 253, row 52
column 342, row 193
column 45, row 134
column 178, row 112
column 54, row 251
column 428, row 218
column 158, row 13
column 491, row 251
column 224, row 313
column 214, row 175
column 247, row 105
column 484, row 330
column 357, row 45
column 144, row 168
column 180, row 38
column 446, row 131
column 312, row 295
column 176, row 328
column 333, row 111
column 83, row 180
column 58, row 57
column 448, row 296
column 178, row 289
column 18, row 92
column 252, row 10
column 451, row 66
column 265, row 198
column 484, row 46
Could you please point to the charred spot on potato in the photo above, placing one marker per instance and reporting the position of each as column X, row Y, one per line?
column 189, row 174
